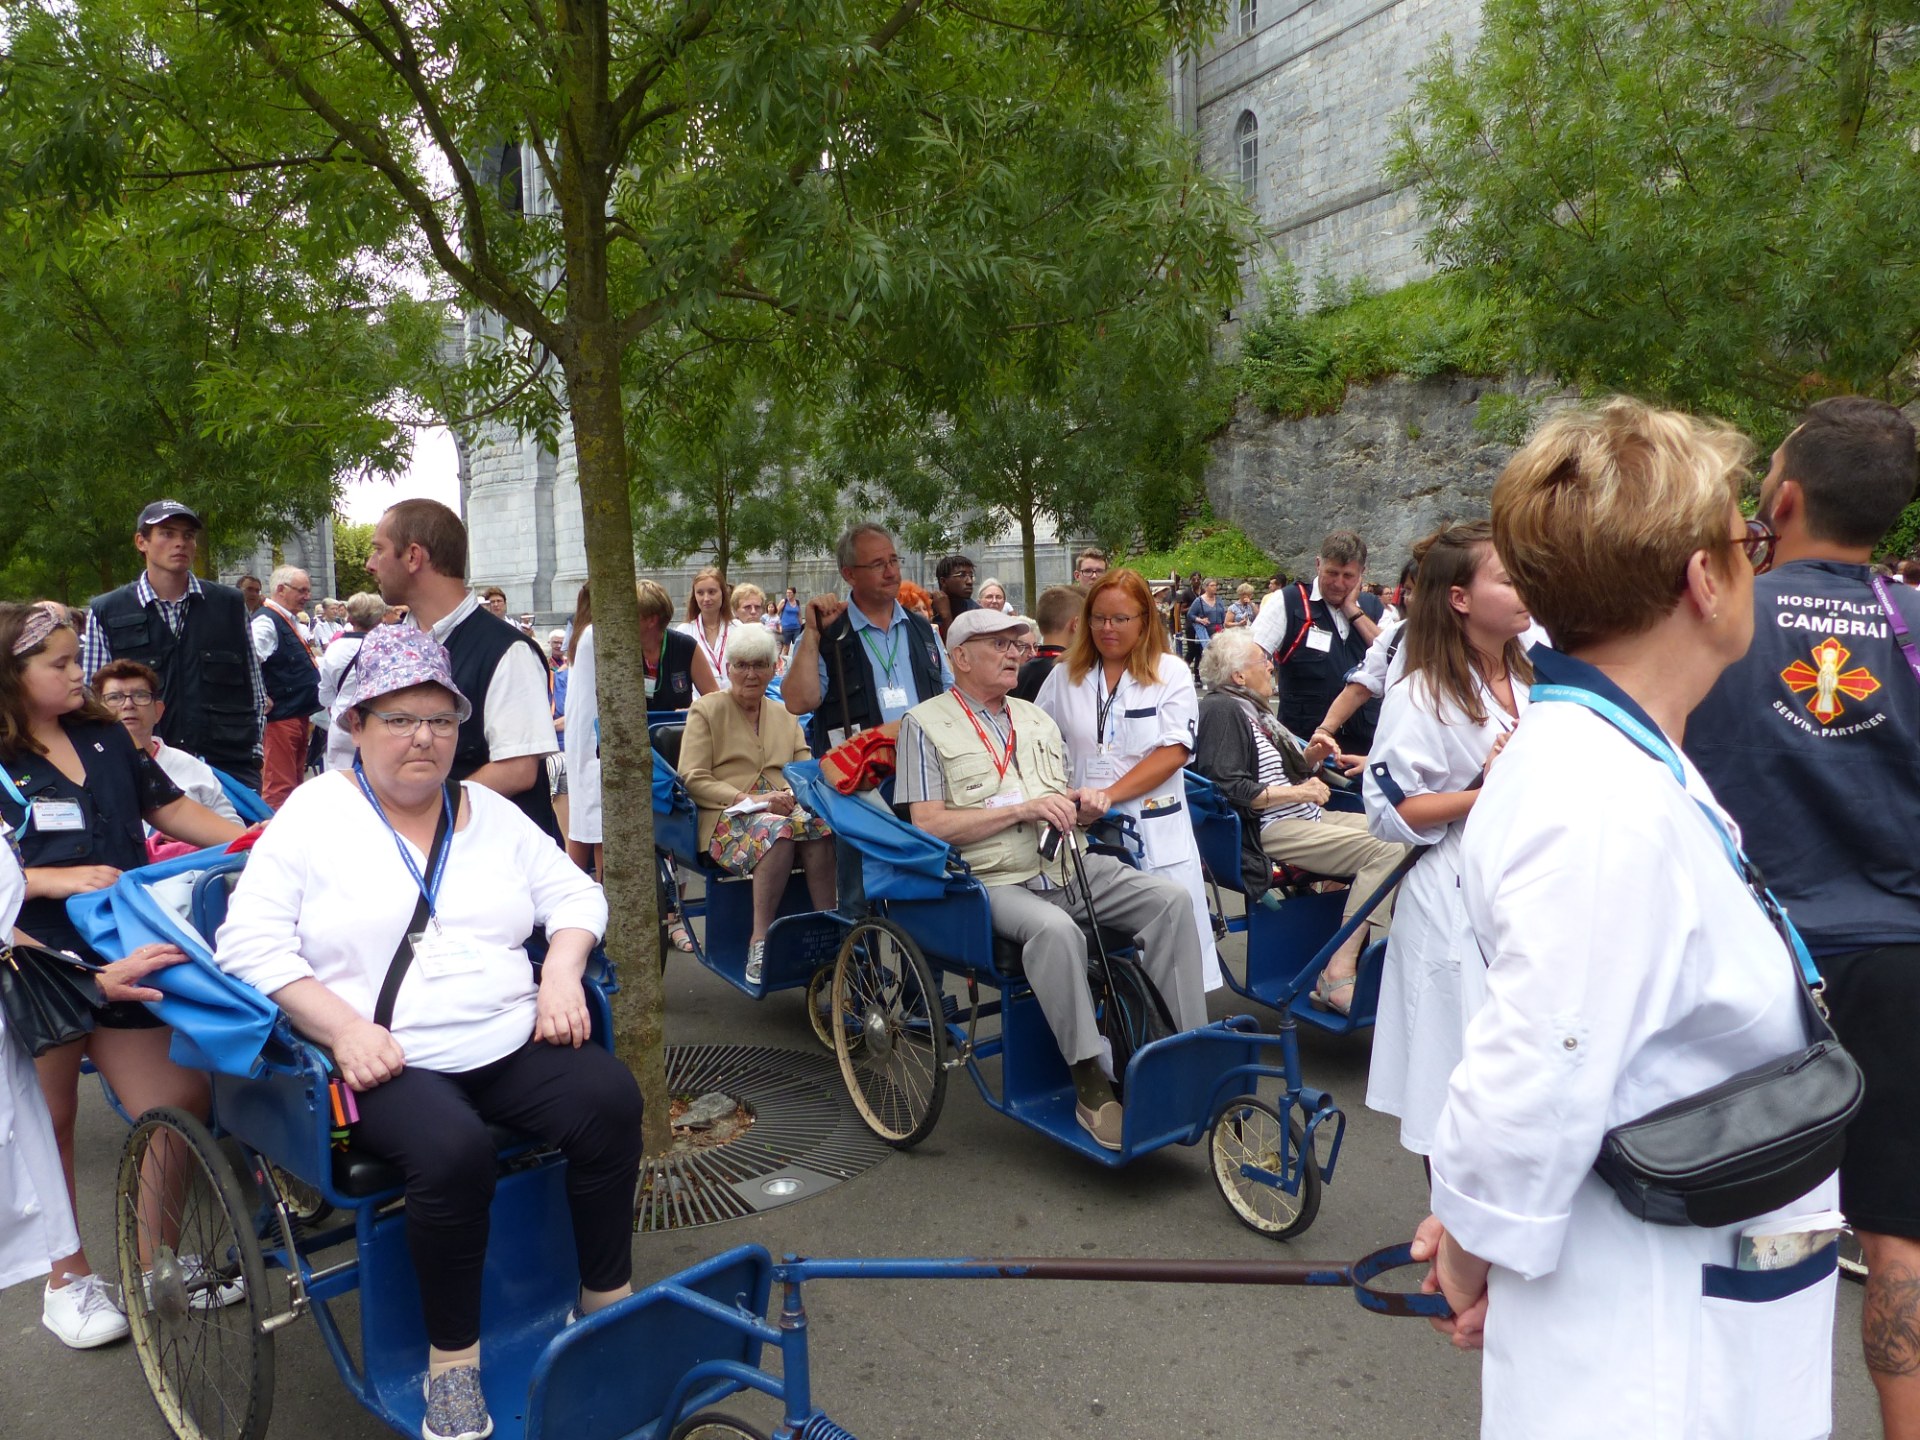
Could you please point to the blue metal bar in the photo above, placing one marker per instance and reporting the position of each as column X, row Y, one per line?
column 741, row 1375
column 744, row 1321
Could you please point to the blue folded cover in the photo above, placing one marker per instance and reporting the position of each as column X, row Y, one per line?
column 219, row 1023
column 897, row 862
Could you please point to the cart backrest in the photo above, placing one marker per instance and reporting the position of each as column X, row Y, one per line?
column 1216, row 831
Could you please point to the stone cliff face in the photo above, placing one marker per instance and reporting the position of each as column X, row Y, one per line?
column 1398, row 460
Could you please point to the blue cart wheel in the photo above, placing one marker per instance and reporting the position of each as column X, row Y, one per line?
column 715, row 1426
column 889, row 1032
column 193, row 1280
column 1246, row 1147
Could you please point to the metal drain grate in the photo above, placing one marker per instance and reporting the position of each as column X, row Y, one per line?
column 806, row 1137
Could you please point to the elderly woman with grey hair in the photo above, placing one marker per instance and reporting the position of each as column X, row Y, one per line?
column 731, row 760
column 1262, row 771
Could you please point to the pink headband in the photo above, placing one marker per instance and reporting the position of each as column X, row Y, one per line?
column 46, row 618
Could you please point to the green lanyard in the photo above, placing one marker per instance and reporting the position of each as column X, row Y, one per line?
column 886, row 660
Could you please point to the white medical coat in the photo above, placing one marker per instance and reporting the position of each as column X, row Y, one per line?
column 1432, row 981
column 36, row 1222
column 1142, row 719
column 582, row 746
column 1630, row 967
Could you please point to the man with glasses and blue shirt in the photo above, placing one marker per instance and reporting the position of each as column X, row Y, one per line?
column 863, row 662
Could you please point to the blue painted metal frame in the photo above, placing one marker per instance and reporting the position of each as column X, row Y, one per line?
column 1290, row 944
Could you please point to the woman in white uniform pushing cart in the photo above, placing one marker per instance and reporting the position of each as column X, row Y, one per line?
column 1444, row 719
column 1630, row 966
column 1128, row 710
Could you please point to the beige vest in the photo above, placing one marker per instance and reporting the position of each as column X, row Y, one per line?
column 1039, row 768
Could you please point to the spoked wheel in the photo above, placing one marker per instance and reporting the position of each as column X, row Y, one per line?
column 715, row 1426
column 1245, row 1133
column 889, row 1032
column 194, row 1283
column 820, row 1004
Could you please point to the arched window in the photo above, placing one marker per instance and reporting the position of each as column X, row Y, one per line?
column 1248, row 134
column 1247, row 19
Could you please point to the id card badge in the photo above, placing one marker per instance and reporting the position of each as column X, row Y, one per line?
column 1006, row 798
column 894, row 698
column 1100, row 771
column 653, row 684
column 1320, row 640
column 51, row 816
column 439, row 954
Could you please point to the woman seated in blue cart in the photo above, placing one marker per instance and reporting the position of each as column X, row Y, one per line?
column 411, row 967
column 731, row 761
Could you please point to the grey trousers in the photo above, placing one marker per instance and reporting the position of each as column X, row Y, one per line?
column 1156, row 912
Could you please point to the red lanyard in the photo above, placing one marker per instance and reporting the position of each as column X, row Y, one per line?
column 716, row 658
column 1000, row 762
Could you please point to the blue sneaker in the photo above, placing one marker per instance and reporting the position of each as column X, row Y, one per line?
column 456, row 1408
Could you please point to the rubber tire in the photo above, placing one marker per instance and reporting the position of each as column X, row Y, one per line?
column 714, row 1425
column 1241, row 1193
column 819, row 992
column 250, row 1359
column 855, row 1050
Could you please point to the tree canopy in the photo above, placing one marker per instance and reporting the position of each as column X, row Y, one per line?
column 1708, row 203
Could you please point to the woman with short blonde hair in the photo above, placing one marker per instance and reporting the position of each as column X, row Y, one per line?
column 1628, row 966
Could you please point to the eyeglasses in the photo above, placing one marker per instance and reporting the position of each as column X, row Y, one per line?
column 1090, row 572
column 1112, row 622
column 1759, row 543
column 749, row 665
column 400, row 723
column 1004, row 644
column 138, row 699
column 890, row 562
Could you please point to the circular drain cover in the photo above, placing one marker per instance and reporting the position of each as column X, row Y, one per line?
column 805, row 1138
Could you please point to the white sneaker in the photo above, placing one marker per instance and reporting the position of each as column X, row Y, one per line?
column 756, row 960
column 83, row 1313
column 213, row 1294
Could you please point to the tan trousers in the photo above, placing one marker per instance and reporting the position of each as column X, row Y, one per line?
column 1338, row 844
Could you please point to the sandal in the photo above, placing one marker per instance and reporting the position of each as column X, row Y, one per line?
column 679, row 937
column 1322, row 995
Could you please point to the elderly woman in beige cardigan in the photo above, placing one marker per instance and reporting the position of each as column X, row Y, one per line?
column 731, row 759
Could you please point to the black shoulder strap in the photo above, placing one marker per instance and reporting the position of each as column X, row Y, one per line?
column 1393, row 645
column 403, row 952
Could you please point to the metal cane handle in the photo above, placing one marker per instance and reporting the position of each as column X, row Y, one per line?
column 1393, row 1302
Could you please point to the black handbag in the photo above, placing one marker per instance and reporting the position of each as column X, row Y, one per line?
column 1760, row 1138
column 49, row 998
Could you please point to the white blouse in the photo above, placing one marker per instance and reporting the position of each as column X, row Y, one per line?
column 716, row 653
column 325, row 896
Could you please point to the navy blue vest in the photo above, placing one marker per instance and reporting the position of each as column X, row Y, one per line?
column 203, row 673
column 848, row 700
column 476, row 647
column 291, row 677
column 1810, row 744
column 1310, row 679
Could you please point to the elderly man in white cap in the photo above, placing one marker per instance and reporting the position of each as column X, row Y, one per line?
column 988, row 774
column 410, row 965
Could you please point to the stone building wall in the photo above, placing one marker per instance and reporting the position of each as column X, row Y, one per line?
column 1325, row 82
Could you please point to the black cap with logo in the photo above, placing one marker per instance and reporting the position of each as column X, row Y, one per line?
column 163, row 510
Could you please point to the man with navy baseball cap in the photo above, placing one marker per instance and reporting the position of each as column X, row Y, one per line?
column 193, row 633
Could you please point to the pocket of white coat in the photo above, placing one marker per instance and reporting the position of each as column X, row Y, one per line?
column 1766, row 1351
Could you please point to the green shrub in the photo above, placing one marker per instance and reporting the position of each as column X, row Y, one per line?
column 1298, row 360
column 1502, row 418
column 1210, row 547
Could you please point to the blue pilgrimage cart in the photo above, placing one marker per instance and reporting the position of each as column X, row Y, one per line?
column 898, row 1027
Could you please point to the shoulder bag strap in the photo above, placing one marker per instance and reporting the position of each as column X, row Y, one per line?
column 1899, row 624
column 13, row 794
column 402, row 960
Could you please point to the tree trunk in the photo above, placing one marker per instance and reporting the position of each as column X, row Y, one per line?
column 633, row 928
column 1026, row 562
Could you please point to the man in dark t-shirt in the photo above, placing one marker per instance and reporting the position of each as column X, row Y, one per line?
column 1810, row 742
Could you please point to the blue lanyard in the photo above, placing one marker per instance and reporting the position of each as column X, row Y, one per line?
column 428, row 888
column 1656, row 746
column 26, row 810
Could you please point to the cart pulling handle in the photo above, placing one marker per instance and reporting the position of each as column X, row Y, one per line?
column 1359, row 1275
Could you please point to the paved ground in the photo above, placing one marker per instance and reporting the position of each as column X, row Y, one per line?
column 968, row 1359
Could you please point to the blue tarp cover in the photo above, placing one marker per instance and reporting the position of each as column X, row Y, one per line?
column 897, row 861
column 219, row 1023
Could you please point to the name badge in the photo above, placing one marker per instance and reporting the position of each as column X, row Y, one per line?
column 836, row 737
column 51, row 815
column 1318, row 639
column 1006, row 798
column 439, row 954
column 894, row 697
column 1100, row 771
column 653, row 684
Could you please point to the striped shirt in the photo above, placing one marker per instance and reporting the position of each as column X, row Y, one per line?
column 1273, row 771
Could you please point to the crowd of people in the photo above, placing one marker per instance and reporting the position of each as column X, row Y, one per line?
column 1580, row 729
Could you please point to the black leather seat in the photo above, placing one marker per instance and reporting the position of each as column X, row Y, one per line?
column 1007, row 952
column 359, row 1174
column 666, row 742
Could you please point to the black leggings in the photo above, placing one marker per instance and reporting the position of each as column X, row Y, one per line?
column 433, row 1126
